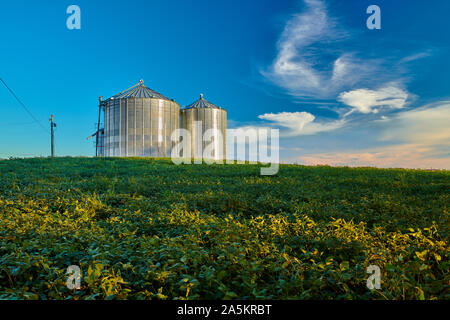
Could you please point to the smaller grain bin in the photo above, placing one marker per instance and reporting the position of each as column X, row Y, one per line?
column 198, row 118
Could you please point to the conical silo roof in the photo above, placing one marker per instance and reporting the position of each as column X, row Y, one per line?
column 202, row 103
column 139, row 91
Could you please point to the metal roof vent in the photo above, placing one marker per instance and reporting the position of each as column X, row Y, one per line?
column 202, row 103
column 139, row 91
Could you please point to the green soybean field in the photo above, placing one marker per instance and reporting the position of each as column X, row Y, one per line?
column 142, row 228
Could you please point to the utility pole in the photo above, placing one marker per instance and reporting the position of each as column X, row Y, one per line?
column 52, row 125
column 100, row 103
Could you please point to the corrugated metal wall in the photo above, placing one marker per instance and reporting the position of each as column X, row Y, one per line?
column 136, row 127
column 101, row 143
column 211, row 118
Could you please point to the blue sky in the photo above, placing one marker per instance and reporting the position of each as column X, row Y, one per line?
column 339, row 93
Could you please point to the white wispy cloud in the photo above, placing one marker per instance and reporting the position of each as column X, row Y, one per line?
column 372, row 101
column 300, row 123
column 296, row 67
column 292, row 124
column 317, row 60
column 417, row 56
column 428, row 125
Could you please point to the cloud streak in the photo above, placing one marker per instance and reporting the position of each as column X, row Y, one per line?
column 402, row 156
column 296, row 68
column 418, row 138
column 428, row 125
column 372, row 101
column 300, row 123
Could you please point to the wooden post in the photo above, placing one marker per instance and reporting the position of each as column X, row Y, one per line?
column 52, row 125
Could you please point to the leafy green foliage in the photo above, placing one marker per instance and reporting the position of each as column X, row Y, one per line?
column 148, row 229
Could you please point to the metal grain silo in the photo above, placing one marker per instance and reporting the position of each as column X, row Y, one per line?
column 139, row 122
column 197, row 118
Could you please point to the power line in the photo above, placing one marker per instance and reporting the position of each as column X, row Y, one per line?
column 24, row 106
